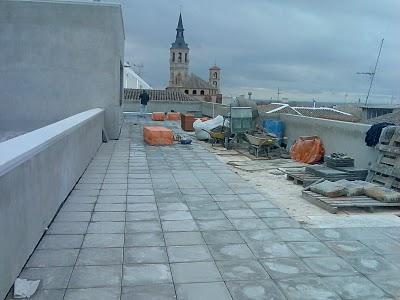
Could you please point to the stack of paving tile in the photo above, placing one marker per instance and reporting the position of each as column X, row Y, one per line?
column 359, row 174
column 338, row 161
column 349, row 173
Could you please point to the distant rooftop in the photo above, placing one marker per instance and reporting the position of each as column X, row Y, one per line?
column 279, row 108
column 195, row 82
column 393, row 117
column 158, row 95
column 315, row 112
column 384, row 106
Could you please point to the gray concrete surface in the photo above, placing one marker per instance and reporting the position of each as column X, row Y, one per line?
column 37, row 172
column 337, row 136
column 58, row 59
column 171, row 222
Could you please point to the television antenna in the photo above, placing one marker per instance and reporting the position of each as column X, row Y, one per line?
column 279, row 93
column 372, row 74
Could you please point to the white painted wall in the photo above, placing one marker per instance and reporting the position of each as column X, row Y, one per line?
column 58, row 59
column 37, row 172
column 133, row 80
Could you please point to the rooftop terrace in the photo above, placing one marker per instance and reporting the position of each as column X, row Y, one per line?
column 149, row 222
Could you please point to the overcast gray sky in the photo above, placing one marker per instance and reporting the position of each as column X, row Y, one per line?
column 309, row 49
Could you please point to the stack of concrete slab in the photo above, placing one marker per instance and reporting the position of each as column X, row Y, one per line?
column 334, row 161
column 355, row 172
column 349, row 173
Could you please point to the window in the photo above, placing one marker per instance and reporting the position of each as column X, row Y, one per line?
column 173, row 57
column 180, row 57
column 215, row 83
column 194, row 92
column 186, row 57
column 178, row 78
column 201, row 92
column 186, row 91
column 215, row 75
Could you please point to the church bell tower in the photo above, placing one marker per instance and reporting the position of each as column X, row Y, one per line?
column 179, row 58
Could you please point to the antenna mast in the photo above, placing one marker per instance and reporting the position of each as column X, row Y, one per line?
column 372, row 74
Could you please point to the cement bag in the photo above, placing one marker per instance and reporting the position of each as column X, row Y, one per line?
column 307, row 150
column 209, row 125
column 158, row 116
column 173, row 116
column 328, row 189
column 381, row 193
column 353, row 188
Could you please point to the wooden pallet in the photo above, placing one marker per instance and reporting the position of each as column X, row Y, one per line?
column 334, row 204
column 304, row 178
column 386, row 170
column 300, row 177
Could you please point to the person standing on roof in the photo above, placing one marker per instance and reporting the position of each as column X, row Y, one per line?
column 144, row 99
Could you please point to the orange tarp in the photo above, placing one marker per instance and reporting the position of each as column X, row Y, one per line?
column 173, row 116
column 158, row 116
column 158, row 135
column 307, row 150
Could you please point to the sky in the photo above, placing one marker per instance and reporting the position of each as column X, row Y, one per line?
column 309, row 49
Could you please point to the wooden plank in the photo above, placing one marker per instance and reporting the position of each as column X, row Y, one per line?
column 314, row 200
column 387, row 160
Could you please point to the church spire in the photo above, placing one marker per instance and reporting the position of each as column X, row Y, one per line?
column 180, row 39
column 180, row 23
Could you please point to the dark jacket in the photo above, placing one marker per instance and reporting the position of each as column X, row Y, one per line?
column 144, row 98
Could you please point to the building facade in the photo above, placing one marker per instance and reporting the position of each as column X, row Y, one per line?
column 132, row 80
column 191, row 84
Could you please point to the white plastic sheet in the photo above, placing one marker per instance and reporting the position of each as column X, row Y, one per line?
column 24, row 288
column 198, row 126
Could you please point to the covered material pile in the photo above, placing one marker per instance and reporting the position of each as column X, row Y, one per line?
column 202, row 129
column 307, row 150
column 157, row 135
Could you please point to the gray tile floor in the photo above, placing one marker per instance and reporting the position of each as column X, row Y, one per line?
column 174, row 222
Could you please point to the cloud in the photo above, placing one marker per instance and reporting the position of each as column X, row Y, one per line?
column 307, row 48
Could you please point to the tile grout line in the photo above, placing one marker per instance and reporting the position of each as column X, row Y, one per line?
column 84, row 235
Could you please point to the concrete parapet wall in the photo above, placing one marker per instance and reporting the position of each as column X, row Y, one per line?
column 208, row 109
column 37, row 172
column 337, row 136
column 163, row 106
column 212, row 110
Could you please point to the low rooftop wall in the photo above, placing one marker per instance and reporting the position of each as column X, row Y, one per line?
column 37, row 172
column 212, row 110
column 163, row 106
column 337, row 136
